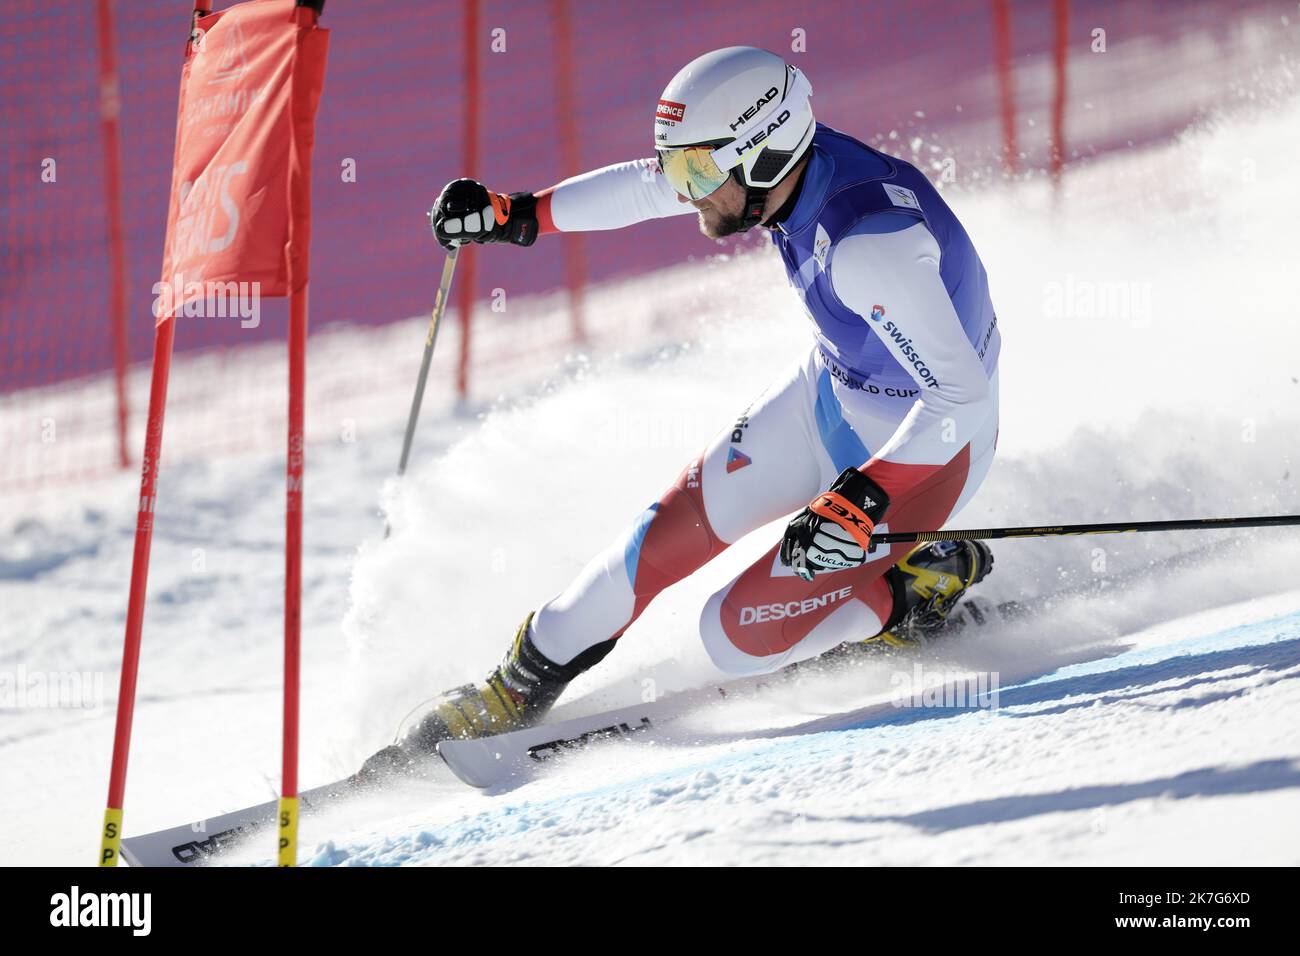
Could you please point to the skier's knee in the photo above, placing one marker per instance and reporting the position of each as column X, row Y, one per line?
column 675, row 538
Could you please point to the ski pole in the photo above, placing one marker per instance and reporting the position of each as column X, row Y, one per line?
column 1115, row 527
column 439, row 307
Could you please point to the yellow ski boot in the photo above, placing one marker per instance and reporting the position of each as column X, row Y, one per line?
column 519, row 692
column 928, row 584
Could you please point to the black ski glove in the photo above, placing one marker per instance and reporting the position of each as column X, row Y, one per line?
column 834, row 531
column 467, row 212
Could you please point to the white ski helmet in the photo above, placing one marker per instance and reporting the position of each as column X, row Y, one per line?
column 738, row 111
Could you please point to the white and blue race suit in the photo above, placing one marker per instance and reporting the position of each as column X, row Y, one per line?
column 901, row 382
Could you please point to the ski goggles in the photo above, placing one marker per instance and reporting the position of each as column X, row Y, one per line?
column 696, row 171
column 692, row 171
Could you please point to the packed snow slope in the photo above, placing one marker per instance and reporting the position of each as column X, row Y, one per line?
column 1151, row 369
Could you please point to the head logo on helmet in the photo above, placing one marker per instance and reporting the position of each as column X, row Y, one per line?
column 750, row 108
column 750, row 113
column 762, row 134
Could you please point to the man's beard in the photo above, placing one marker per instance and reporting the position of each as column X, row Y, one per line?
column 724, row 226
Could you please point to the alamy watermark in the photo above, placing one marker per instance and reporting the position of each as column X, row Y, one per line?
column 81, row 690
column 133, row 911
column 209, row 300
column 927, row 687
column 1074, row 297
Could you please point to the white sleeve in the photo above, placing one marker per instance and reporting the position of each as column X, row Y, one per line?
column 900, row 272
column 613, row 197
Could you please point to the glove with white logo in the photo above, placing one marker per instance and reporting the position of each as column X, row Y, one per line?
column 834, row 531
column 467, row 212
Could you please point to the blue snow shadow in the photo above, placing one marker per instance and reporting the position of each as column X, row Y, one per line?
column 1255, row 777
column 1134, row 680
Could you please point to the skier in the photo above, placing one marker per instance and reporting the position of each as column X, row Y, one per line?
column 891, row 419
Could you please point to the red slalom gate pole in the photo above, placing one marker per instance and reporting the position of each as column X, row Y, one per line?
column 575, row 249
column 110, row 103
column 287, row 845
column 1006, row 82
column 473, row 100
column 1060, row 62
column 111, row 839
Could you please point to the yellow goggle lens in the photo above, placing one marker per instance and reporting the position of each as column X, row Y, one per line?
column 691, row 170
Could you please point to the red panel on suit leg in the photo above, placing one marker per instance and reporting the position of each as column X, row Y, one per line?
column 678, row 541
column 763, row 614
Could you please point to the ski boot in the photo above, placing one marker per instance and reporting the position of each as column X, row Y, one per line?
column 518, row 693
column 928, row 585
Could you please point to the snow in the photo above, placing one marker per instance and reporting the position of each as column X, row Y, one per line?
column 1043, row 778
column 1149, row 370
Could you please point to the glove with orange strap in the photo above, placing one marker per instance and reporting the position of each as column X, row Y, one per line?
column 466, row 211
column 834, row 531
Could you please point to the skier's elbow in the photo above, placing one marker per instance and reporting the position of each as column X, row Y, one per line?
column 959, row 391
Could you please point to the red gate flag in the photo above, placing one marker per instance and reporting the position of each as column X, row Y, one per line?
column 239, row 209
column 239, row 212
